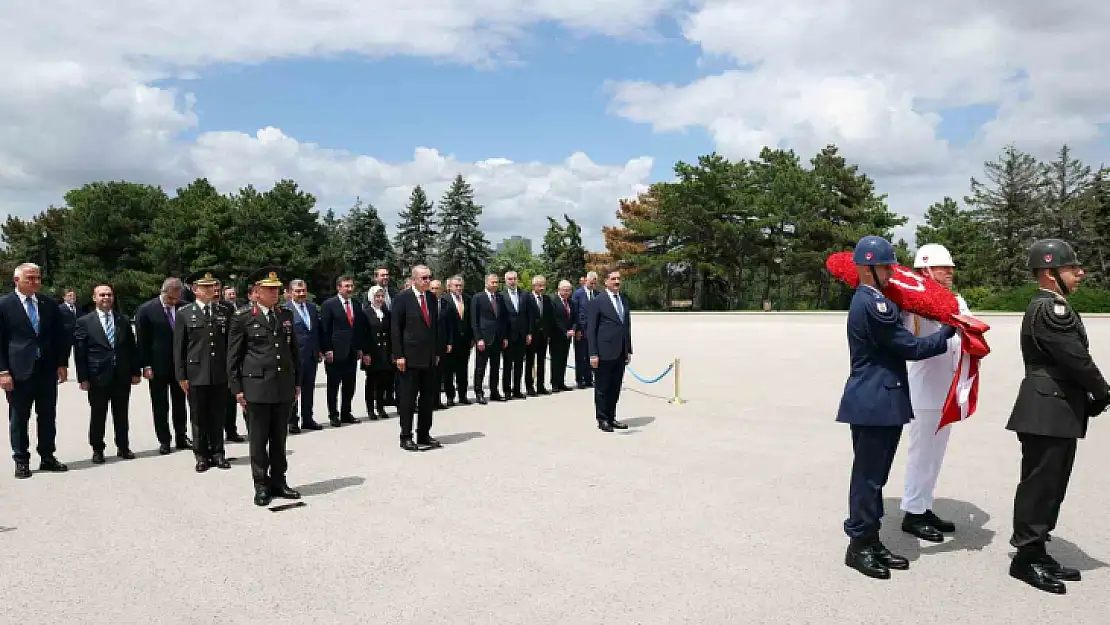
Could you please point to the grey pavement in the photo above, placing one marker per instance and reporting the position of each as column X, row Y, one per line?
column 726, row 509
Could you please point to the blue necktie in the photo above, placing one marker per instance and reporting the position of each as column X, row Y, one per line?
column 617, row 305
column 110, row 329
column 32, row 313
column 304, row 314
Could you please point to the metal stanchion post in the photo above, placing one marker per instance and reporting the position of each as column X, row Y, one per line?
column 677, row 400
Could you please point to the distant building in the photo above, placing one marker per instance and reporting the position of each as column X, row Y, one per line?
column 515, row 239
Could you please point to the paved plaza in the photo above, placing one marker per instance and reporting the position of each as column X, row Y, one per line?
column 726, row 509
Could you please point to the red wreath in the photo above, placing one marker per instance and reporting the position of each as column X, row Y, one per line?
column 924, row 296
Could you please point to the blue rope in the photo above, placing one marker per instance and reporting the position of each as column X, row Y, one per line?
column 642, row 379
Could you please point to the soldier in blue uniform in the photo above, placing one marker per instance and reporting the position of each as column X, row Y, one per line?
column 876, row 401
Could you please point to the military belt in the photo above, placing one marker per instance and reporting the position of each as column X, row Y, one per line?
column 1044, row 371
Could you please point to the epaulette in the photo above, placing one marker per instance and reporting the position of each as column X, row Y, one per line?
column 1056, row 313
column 882, row 310
column 242, row 311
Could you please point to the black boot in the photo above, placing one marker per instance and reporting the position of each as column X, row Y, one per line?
column 861, row 557
column 1029, row 566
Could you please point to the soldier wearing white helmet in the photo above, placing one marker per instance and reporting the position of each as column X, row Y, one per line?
column 929, row 381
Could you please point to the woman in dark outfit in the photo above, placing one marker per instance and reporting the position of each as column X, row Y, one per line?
column 379, row 373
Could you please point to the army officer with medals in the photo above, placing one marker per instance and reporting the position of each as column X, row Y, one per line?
column 263, row 370
column 200, row 364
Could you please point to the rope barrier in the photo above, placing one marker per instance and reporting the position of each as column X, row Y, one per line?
column 675, row 366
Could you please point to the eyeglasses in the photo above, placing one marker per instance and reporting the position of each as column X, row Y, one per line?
column 424, row 278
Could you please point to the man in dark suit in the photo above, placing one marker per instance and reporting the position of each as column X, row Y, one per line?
column 263, row 372
column 609, row 336
column 229, row 300
column 518, row 333
column 543, row 326
column 107, row 360
column 416, row 353
column 306, row 327
column 343, row 333
column 583, row 373
column 200, row 368
column 70, row 312
column 460, row 339
column 565, row 319
column 154, row 324
column 488, row 324
column 34, row 359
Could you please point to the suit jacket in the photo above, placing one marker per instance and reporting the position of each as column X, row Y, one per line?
column 262, row 359
column 563, row 321
column 20, row 347
column 155, row 337
column 460, row 334
column 308, row 340
column 69, row 317
column 543, row 321
column 583, row 307
column 344, row 339
column 200, row 346
column 489, row 320
column 98, row 361
column 378, row 342
column 413, row 339
column 518, row 321
column 607, row 336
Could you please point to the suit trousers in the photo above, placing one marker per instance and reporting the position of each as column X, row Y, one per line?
column 490, row 356
column 512, row 366
column 160, row 405
column 873, row 447
column 207, row 404
column 41, row 391
column 375, row 388
column 560, row 350
column 607, row 388
column 924, row 455
column 456, row 371
column 303, row 406
column 537, row 362
column 419, row 392
column 583, row 373
column 340, row 373
column 114, row 393
column 1046, row 464
column 269, row 428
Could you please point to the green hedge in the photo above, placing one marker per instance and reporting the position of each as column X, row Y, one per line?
column 1088, row 299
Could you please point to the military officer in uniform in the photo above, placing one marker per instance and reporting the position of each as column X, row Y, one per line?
column 876, row 401
column 200, row 362
column 1062, row 389
column 263, row 369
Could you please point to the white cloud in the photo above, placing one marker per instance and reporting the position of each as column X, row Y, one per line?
column 79, row 101
column 875, row 78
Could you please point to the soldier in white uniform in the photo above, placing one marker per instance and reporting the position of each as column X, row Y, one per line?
column 929, row 381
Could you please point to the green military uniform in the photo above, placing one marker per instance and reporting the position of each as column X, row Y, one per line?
column 200, row 358
column 1062, row 389
column 263, row 366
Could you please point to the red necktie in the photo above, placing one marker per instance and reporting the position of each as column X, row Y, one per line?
column 350, row 315
column 566, row 306
column 424, row 309
column 492, row 304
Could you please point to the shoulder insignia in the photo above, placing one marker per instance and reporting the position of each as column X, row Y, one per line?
column 881, row 306
column 1060, row 310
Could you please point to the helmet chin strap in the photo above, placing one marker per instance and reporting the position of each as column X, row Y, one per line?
column 1059, row 282
column 875, row 277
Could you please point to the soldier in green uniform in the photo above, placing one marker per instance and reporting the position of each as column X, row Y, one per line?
column 263, row 370
column 200, row 362
column 1062, row 389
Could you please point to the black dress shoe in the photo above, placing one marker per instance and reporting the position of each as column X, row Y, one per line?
column 429, row 443
column 348, row 419
column 335, row 422
column 164, row 448
column 382, row 413
column 919, row 525
column 1036, row 574
column 604, row 426
column 220, row 462
column 234, row 437
column 98, row 457
column 531, row 393
column 184, row 443
column 481, row 400
column 581, row 386
column 861, row 557
column 202, row 466
column 22, row 470
column 1060, row 572
column 519, row 395
column 262, row 496
column 125, row 454
column 408, row 445
column 312, row 425
column 888, row 559
column 450, row 403
column 945, row 526
column 52, row 465
column 618, row 425
column 543, row 391
column 294, row 428
column 465, row 402
column 284, row 492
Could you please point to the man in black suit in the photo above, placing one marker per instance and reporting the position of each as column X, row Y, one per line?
column 416, row 353
column 518, row 326
column 586, row 293
column 70, row 312
column 488, row 324
column 609, row 337
column 543, row 326
column 107, row 360
column 34, row 359
column 460, row 340
column 342, row 336
column 154, row 324
column 306, row 327
column 565, row 319
column 229, row 300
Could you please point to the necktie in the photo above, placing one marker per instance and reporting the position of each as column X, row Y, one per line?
column 170, row 315
column 566, row 307
column 270, row 318
column 110, row 329
column 617, row 305
column 492, row 303
column 350, row 315
column 32, row 313
column 459, row 305
column 304, row 315
column 424, row 309
column 539, row 303
column 207, row 314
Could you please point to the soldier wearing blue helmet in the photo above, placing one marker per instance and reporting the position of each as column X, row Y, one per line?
column 876, row 401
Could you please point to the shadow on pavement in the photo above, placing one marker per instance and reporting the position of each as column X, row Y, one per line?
column 461, row 437
column 330, row 486
column 971, row 531
column 110, row 459
column 1069, row 554
column 247, row 458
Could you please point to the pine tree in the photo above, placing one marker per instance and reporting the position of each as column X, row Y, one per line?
column 465, row 250
column 366, row 244
column 1009, row 205
column 572, row 264
column 554, row 246
column 416, row 235
column 1066, row 181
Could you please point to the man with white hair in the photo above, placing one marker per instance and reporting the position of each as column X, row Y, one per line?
column 583, row 374
column 154, row 326
column 34, row 359
column 565, row 312
column 929, row 381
